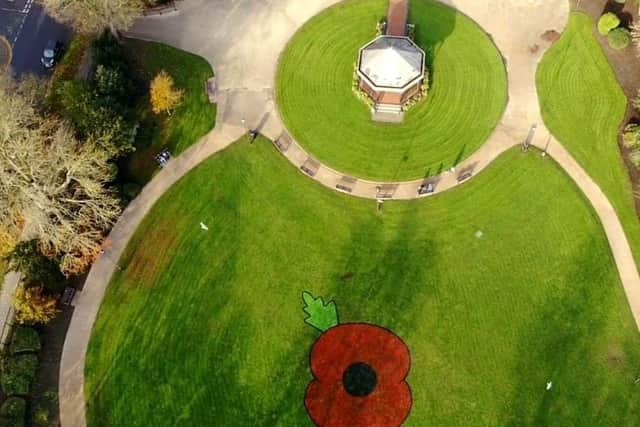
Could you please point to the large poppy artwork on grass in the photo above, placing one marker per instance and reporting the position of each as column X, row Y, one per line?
column 359, row 372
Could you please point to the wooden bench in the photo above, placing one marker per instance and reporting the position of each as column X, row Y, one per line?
column 310, row 167
column 386, row 191
column 464, row 176
column 346, row 184
column 283, row 143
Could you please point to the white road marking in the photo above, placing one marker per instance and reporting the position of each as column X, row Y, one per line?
column 25, row 11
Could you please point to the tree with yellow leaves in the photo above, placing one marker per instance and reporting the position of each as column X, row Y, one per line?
column 8, row 241
column 164, row 95
column 32, row 305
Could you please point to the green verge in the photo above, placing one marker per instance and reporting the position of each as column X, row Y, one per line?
column 465, row 102
column 583, row 105
column 206, row 328
column 188, row 123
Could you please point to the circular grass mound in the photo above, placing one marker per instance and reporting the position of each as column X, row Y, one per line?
column 467, row 94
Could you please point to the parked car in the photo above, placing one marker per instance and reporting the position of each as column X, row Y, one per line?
column 51, row 53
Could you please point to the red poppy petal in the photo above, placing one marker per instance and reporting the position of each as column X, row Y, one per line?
column 345, row 344
column 329, row 405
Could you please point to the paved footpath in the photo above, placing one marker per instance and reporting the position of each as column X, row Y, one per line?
column 11, row 281
column 243, row 39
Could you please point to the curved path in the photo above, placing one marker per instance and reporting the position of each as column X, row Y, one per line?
column 244, row 53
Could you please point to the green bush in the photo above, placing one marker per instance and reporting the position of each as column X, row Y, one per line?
column 41, row 416
column 18, row 373
column 608, row 22
column 619, row 38
column 25, row 339
column 13, row 412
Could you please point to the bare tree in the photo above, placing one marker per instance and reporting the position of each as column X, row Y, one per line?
column 93, row 16
column 53, row 187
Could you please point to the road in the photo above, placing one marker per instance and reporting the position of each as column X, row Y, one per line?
column 28, row 28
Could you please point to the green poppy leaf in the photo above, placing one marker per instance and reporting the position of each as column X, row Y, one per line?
column 320, row 315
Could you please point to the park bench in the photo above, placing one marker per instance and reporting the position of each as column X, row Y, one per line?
column 386, row 191
column 161, row 10
column 67, row 296
column 283, row 143
column 346, row 184
column 310, row 167
column 426, row 188
column 464, row 176
column 344, row 188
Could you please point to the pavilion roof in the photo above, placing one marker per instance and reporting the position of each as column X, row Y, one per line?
column 391, row 62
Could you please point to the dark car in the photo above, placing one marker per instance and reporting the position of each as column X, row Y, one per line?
column 51, row 53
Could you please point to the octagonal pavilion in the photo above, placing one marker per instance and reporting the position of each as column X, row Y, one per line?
column 391, row 67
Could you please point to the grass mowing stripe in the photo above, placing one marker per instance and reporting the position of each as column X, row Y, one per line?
column 583, row 105
column 466, row 99
column 214, row 334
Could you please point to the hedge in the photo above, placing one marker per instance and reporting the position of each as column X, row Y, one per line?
column 25, row 339
column 13, row 412
column 18, row 373
column 619, row 38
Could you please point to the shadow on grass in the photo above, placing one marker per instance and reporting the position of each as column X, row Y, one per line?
column 386, row 283
column 564, row 337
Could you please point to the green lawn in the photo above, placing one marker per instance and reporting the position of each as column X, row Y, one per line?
column 188, row 123
column 583, row 106
column 466, row 99
column 206, row 328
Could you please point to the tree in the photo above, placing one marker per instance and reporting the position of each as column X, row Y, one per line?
column 8, row 240
column 51, row 185
column 35, row 267
column 110, row 85
column 92, row 16
column 92, row 118
column 32, row 305
column 164, row 96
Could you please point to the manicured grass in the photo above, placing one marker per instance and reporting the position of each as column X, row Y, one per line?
column 466, row 99
column 583, row 106
column 188, row 123
column 205, row 328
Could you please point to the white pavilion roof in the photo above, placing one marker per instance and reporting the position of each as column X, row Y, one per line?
column 391, row 62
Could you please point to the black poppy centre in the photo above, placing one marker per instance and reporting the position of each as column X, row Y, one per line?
column 359, row 379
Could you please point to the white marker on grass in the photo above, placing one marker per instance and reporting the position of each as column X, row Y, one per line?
column 204, row 227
